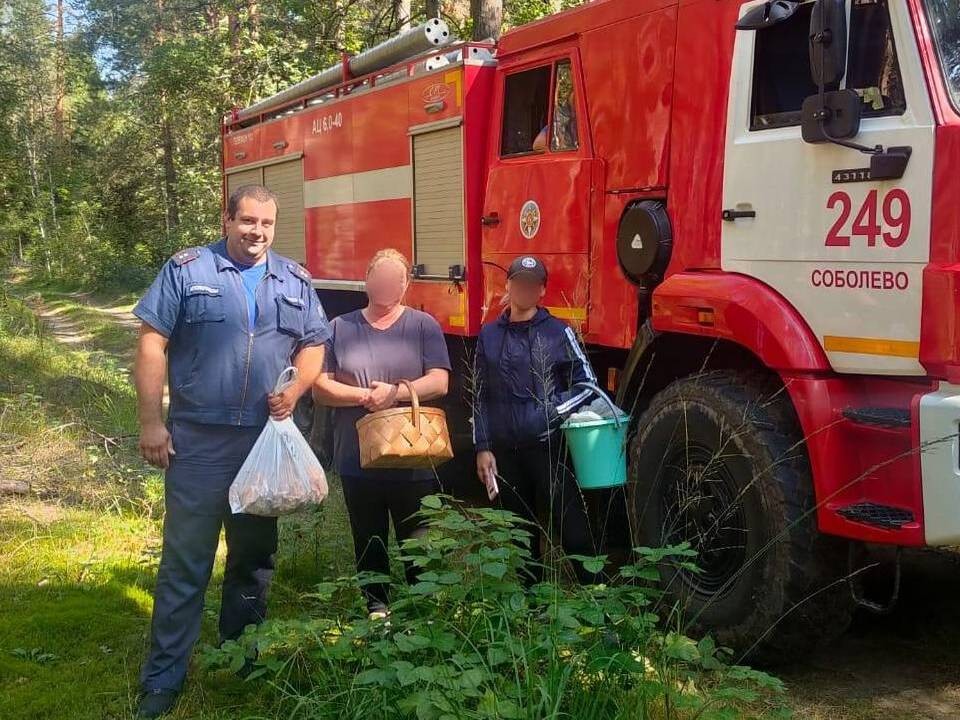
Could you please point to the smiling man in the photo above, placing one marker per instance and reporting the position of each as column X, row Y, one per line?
column 219, row 323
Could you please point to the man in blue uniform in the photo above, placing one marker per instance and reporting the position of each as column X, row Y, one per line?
column 219, row 323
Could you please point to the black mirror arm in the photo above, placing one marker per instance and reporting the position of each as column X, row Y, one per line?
column 875, row 150
column 885, row 163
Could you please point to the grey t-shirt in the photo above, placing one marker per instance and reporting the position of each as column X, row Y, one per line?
column 358, row 354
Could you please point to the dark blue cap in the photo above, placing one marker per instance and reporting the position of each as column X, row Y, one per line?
column 529, row 266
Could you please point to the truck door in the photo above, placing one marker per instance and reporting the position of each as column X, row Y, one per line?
column 847, row 251
column 538, row 189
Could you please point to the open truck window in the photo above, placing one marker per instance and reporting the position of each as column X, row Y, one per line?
column 781, row 71
column 563, row 136
column 526, row 101
column 872, row 66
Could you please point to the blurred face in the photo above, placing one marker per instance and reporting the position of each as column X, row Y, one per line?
column 250, row 232
column 387, row 283
column 525, row 292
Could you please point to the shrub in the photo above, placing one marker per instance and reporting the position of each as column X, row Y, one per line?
column 470, row 641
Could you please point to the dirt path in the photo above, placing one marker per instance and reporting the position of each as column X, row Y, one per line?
column 902, row 665
column 74, row 333
column 75, row 411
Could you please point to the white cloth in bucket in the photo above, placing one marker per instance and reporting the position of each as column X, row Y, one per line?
column 599, row 409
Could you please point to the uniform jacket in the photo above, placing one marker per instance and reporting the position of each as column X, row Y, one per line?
column 524, row 374
column 219, row 371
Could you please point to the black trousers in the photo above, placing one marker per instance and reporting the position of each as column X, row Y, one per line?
column 536, row 482
column 371, row 503
column 207, row 460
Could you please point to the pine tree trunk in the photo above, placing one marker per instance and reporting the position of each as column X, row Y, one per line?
column 340, row 36
column 59, row 90
column 233, row 26
column 35, row 195
column 402, row 10
column 166, row 139
column 169, row 172
column 487, row 18
column 253, row 12
column 53, row 198
column 432, row 8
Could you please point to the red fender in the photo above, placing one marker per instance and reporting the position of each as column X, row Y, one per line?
column 742, row 310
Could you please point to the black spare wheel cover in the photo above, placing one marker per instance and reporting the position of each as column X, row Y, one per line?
column 644, row 240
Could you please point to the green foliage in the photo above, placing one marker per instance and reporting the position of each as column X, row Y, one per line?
column 100, row 192
column 16, row 319
column 469, row 641
column 520, row 12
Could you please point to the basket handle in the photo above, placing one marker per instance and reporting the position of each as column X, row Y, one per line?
column 617, row 414
column 414, row 403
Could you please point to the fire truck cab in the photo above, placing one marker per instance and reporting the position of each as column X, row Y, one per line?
column 751, row 215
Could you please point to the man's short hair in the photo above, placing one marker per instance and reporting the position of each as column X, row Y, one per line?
column 257, row 192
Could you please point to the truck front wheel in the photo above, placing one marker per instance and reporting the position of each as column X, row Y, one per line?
column 718, row 461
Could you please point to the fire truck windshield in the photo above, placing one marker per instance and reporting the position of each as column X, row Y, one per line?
column 944, row 17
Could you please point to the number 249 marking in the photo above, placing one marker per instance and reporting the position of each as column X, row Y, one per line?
column 895, row 212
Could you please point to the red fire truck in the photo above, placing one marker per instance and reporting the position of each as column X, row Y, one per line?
column 751, row 214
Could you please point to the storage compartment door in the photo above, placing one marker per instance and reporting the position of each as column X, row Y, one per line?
column 438, row 201
column 243, row 177
column 286, row 180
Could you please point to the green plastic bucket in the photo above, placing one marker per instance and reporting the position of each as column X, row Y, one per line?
column 598, row 449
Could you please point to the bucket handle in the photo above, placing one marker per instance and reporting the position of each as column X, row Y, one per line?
column 617, row 413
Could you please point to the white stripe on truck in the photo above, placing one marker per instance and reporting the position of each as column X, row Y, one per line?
column 394, row 183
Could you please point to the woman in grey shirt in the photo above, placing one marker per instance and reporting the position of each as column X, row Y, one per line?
column 370, row 352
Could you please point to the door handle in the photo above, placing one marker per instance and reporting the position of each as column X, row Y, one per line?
column 731, row 215
column 491, row 220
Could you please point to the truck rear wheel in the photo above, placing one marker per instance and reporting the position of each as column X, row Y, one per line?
column 719, row 461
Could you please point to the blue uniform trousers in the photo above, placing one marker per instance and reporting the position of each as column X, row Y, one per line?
column 207, row 459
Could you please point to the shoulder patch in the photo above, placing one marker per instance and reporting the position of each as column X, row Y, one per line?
column 300, row 271
column 185, row 256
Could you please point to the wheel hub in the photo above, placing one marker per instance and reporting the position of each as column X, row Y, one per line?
column 703, row 505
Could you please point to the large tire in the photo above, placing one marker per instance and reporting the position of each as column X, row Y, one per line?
column 718, row 460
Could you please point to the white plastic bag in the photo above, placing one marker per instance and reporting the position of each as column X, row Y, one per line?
column 281, row 474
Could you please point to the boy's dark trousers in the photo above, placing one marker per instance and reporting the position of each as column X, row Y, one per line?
column 536, row 483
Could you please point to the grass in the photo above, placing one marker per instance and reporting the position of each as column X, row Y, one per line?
column 76, row 587
column 80, row 549
column 78, row 553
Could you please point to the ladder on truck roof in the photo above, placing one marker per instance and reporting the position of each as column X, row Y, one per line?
column 371, row 67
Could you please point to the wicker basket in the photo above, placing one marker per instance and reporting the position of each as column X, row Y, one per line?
column 411, row 438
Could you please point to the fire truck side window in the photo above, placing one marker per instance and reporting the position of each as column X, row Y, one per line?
column 526, row 98
column 872, row 68
column 564, row 134
column 781, row 72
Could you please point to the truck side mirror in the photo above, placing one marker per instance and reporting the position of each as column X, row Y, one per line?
column 767, row 15
column 831, row 116
column 828, row 42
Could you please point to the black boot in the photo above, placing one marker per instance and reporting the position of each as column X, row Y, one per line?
column 156, row 703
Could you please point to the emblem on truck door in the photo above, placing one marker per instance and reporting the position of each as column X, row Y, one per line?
column 530, row 219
